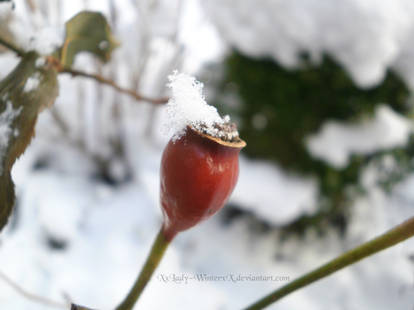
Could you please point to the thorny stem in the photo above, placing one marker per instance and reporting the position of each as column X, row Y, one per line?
column 396, row 235
column 153, row 260
column 12, row 47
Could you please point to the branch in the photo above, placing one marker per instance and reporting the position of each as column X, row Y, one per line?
column 396, row 235
column 111, row 83
column 12, row 47
column 30, row 296
column 96, row 77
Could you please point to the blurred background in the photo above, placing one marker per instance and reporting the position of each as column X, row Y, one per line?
column 320, row 90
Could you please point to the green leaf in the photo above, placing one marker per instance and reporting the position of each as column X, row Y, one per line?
column 26, row 91
column 87, row 32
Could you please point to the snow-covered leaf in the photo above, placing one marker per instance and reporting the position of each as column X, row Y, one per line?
column 27, row 90
column 87, row 32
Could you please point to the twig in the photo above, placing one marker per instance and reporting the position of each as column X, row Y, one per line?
column 12, row 47
column 111, row 83
column 93, row 76
column 30, row 296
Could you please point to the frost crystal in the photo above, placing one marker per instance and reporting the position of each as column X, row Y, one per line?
column 188, row 107
column 6, row 119
column 32, row 82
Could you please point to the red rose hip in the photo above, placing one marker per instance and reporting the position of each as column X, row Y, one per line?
column 199, row 170
column 198, row 174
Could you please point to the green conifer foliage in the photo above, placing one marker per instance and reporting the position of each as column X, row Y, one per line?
column 294, row 104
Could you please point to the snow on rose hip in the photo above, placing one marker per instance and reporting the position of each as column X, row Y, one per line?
column 199, row 169
column 199, row 166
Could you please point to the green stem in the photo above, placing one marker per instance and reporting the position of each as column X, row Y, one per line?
column 12, row 47
column 153, row 259
column 390, row 238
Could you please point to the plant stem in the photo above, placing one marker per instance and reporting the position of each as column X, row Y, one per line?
column 12, row 47
column 30, row 296
column 111, row 83
column 93, row 76
column 390, row 238
column 153, row 259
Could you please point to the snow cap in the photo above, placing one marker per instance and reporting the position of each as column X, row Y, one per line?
column 188, row 107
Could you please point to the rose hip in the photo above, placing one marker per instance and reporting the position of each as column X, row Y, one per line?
column 198, row 174
column 199, row 169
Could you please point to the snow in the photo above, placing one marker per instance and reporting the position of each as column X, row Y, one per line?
column 193, row 26
column 278, row 198
column 32, row 82
column 40, row 62
column 105, row 226
column 6, row 8
column 32, row 33
column 336, row 142
column 6, row 119
column 44, row 40
column 366, row 37
column 7, row 62
column 188, row 107
column 103, row 45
